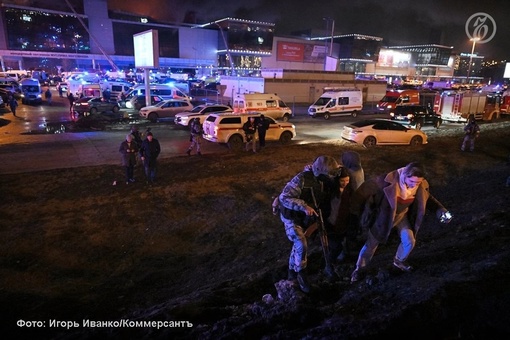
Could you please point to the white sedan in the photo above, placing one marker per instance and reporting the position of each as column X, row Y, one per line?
column 373, row 132
column 201, row 112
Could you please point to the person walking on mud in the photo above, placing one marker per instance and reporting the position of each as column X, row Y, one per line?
column 472, row 132
column 398, row 199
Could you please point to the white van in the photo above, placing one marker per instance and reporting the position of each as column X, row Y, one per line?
column 31, row 92
column 164, row 91
column 89, row 90
column 338, row 102
column 269, row 105
column 116, row 88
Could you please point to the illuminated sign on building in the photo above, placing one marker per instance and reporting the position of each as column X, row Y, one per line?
column 304, row 53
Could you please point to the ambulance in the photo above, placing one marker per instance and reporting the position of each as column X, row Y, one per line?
column 268, row 104
column 398, row 97
column 337, row 102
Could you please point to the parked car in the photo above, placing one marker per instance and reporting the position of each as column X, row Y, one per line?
column 54, row 80
column 62, row 86
column 201, row 112
column 13, row 89
column 415, row 116
column 371, row 132
column 227, row 128
column 4, row 96
column 137, row 102
column 93, row 105
column 165, row 109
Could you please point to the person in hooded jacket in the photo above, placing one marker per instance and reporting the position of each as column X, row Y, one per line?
column 338, row 221
column 351, row 160
column 398, row 199
column 298, row 204
column 471, row 133
column 128, row 149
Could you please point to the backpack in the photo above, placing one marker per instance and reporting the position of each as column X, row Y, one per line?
column 311, row 188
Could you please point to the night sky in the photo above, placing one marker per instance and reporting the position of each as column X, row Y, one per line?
column 404, row 22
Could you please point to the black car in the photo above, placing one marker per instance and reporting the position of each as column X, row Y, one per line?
column 416, row 116
column 95, row 105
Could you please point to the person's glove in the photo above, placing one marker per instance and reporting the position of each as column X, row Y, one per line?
column 445, row 217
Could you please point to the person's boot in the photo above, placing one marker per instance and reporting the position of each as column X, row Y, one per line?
column 292, row 275
column 188, row 152
column 302, row 279
column 330, row 273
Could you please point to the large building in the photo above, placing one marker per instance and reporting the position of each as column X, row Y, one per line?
column 89, row 36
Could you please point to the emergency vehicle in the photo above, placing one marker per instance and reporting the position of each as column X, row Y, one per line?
column 337, row 101
column 268, row 104
column 504, row 106
column 457, row 107
column 398, row 97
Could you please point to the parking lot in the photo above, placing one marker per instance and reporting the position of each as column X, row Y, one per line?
column 26, row 145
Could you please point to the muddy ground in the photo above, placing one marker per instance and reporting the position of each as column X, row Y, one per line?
column 202, row 246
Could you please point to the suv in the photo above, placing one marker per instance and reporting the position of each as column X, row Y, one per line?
column 415, row 116
column 227, row 128
column 201, row 112
column 165, row 109
column 94, row 105
column 138, row 102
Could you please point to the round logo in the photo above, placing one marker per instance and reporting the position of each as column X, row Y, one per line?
column 482, row 26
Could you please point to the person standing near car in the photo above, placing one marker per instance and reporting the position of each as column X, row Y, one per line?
column 196, row 132
column 13, row 104
column 398, row 199
column 71, row 99
column 262, row 127
column 250, row 128
column 471, row 132
column 128, row 149
column 47, row 95
column 149, row 152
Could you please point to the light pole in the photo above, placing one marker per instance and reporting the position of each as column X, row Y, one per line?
column 76, row 37
column 328, row 20
column 474, row 40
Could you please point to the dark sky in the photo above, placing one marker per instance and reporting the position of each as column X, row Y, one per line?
column 399, row 22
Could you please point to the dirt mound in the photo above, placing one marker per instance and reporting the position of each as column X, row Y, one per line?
column 201, row 248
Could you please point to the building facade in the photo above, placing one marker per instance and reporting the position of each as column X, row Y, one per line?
column 89, row 36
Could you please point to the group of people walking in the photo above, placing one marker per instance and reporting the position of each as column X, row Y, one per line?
column 334, row 195
column 147, row 150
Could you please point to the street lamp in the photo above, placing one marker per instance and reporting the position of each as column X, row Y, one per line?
column 76, row 41
column 474, row 40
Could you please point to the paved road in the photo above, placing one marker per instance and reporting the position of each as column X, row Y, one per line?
column 26, row 147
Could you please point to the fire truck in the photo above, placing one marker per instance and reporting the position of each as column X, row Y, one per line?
column 504, row 106
column 457, row 107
